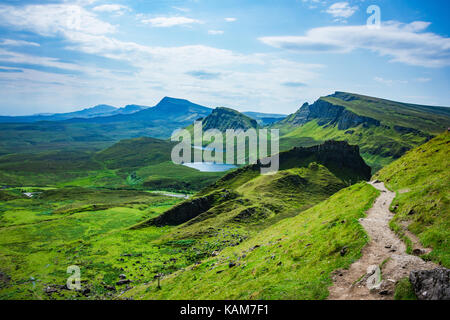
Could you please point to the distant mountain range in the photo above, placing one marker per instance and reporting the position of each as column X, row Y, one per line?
column 384, row 130
column 176, row 109
column 101, row 110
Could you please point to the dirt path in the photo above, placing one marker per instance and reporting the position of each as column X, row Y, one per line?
column 385, row 250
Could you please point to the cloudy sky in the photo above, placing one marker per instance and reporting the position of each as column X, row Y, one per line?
column 252, row 55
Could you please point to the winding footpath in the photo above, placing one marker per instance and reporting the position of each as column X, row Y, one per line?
column 385, row 250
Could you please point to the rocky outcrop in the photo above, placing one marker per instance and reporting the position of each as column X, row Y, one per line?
column 225, row 118
column 190, row 209
column 405, row 130
column 431, row 284
column 342, row 159
column 327, row 113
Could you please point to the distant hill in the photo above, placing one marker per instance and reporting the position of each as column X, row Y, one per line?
column 96, row 133
column 383, row 129
column 264, row 118
column 102, row 110
column 132, row 163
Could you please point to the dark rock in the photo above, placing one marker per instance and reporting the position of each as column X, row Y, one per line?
column 344, row 251
column 4, row 278
column 231, row 264
column 431, row 284
column 122, row 276
column 418, row 252
column 50, row 290
column 123, row 281
column 384, row 292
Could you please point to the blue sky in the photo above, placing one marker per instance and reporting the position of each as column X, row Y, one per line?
column 259, row 55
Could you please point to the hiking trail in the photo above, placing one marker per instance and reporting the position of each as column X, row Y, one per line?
column 384, row 250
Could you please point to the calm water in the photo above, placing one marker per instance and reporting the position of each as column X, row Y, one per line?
column 209, row 166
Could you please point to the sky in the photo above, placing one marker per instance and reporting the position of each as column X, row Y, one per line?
column 252, row 55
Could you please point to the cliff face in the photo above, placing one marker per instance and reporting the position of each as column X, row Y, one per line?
column 330, row 114
column 339, row 157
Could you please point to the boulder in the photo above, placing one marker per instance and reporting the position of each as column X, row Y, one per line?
column 431, row 284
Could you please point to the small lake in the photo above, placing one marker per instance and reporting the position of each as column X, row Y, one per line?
column 210, row 166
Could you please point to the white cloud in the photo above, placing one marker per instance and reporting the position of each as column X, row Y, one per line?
column 53, row 19
column 181, row 9
column 165, row 22
column 422, row 80
column 230, row 19
column 215, row 32
column 389, row 82
column 341, row 10
column 111, row 8
column 21, row 58
column 18, row 43
column 405, row 43
column 149, row 72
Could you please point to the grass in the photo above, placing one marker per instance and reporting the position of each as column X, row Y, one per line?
column 292, row 259
column 404, row 290
column 41, row 236
column 142, row 164
column 422, row 182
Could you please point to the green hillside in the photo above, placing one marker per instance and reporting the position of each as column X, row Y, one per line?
column 384, row 130
column 422, row 181
column 306, row 176
column 292, row 259
column 429, row 119
column 142, row 163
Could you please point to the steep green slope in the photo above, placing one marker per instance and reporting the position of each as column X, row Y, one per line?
column 292, row 259
column 421, row 179
column 383, row 129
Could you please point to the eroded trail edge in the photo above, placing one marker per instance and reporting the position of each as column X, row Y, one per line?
column 385, row 250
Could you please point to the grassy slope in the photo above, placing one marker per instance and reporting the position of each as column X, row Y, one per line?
column 40, row 237
column 422, row 181
column 294, row 261
column 262, row 201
